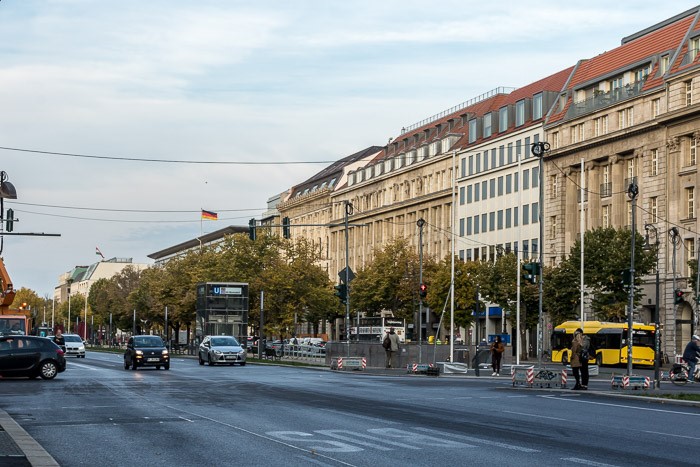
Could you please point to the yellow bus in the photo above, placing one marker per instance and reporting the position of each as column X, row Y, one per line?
column 609, row 341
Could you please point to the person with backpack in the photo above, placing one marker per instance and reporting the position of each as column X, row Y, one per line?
column 391, row 345
column 579, row 359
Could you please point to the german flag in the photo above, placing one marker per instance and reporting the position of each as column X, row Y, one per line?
column 209, row 215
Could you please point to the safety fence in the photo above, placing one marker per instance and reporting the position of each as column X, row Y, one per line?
column 630, row 382
column 541, row 377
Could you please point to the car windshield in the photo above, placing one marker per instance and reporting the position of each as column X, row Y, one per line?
column 223, row 341
column 148, row 341
column 72, row 339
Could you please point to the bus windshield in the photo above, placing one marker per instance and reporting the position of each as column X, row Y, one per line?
column 10, row 325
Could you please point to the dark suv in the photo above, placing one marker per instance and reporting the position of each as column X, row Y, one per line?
column 30, row 356
column 146, row 351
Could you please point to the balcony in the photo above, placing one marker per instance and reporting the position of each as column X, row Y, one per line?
column 606, row 190
column 604, row 99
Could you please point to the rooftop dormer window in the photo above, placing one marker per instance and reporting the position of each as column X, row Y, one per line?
column 537, row 106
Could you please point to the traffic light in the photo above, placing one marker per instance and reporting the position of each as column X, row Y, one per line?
column 9, row 220
column 677, row 296
column 285, row 227
column 533, row 270
column 251, row 229
column 341, row 291
column 423, row 291
column 626, row 277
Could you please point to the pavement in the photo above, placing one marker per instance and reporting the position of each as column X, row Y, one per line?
column 19, row 449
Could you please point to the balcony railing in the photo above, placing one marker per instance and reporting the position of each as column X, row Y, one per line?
column 606, row 190
column 604, row 99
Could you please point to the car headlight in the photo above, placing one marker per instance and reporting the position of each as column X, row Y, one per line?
column 217, row 352
column 165, row 351
column 139, row 352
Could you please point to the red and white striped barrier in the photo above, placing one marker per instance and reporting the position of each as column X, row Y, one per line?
column 340, row 363
column 563, row 378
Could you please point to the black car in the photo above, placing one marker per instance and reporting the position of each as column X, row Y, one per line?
column 30, row 356
column 146, row 351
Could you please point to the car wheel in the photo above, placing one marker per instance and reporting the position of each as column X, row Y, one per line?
column 157, row 367
column 126, row 364
column 242, row 363
column 48, row 369
column 167, row 366
column 211, row 362
column 133, row 365
column 201, row 360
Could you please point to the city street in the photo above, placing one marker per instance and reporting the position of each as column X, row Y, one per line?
column 97, row 413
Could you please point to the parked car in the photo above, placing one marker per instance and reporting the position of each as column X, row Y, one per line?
column 74, row 345
column 221, row 349
column 30, row 356
column 146, row 351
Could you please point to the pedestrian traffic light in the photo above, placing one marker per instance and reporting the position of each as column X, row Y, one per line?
column 678, row 296
column 423, row 291
column 285, row 227
column 9, row 220
column 341, row 291
column 626, row 277
column 533, row 270
column 251, row 229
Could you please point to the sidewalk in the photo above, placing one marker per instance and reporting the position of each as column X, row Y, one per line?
column 17, row 448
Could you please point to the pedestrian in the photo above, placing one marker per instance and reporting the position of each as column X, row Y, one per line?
column 690, row 355
column 497, row 349
column 391, row 345
column 579, row 366
column 59, row 340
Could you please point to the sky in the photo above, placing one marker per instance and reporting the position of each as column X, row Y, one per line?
column 121, row 120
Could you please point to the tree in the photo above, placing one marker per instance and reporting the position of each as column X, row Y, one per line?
column 466, row 276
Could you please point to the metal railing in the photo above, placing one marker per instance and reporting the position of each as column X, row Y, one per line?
column 604, row 99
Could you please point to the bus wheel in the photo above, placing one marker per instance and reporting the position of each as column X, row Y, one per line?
column 599, row 360
column 565, row 359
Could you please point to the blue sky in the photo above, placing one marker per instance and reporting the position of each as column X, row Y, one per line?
column 240, row 81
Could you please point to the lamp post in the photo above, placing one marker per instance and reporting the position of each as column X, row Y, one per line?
column 7, row 190
column 69, row 282
column 657, row 310
column 632, row 192
column 420, row 223
column 538, row 150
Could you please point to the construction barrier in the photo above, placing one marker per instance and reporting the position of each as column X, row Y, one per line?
column 423, row 369
column 630, row 382
column 349, row 363
column 523, row 375
column 542, row 377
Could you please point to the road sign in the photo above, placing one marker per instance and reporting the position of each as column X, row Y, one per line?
column 350, row 275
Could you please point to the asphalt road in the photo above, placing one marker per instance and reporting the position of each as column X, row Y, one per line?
column 98, row 414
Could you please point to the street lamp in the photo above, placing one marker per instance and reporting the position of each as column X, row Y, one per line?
column 538, row 150
column 657, row 311
column 7, row 190
column 420, row 223
column 69, row 282
column 632, row 193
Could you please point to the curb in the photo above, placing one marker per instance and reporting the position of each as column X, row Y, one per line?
column 36, row 455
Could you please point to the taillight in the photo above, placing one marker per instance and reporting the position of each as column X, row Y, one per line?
column 60, row 352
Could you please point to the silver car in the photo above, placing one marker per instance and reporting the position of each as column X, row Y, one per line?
column 221, row 349
column 75, row 347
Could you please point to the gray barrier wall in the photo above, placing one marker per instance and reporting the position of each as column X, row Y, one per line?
column 408, row 353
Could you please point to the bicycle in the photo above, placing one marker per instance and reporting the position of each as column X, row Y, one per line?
column 678, row 374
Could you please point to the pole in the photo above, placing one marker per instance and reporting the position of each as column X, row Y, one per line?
column 167, row 341
column 657, row 310
column 68, row 307
column 348, row 210
column 87, row 291
column 582, row 225
column 675, row 239
column 133, row 331
column 262, row 322
column 632, row 193
column 420, row 223
column 53, row 313
column 452, row 281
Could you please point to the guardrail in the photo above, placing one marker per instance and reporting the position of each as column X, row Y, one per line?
column 542, row 377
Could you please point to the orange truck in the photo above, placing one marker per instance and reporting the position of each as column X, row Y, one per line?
column 12, row 321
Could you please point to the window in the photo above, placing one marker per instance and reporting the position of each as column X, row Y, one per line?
column 461, row 195
column 690, row 199
column 508, row 213
column 553, row 186
column 484, row 223
column 509, row 181
column 690, row 252
column 655, row 107
column 500, row 186
column 478, row 163
column 492, row 188
column 654, row 162
column 519, row 113
column 503, row 119
column 518, row 150
column 515, row 216
column 461, row 227
column 534, row 243
column 469, row 225
column 577, row 134
column 537, row 106
column 654, row 209
column 535, row 212
column 606, row 216
column 535, row 177
column 552, row 226
column 629, row 213
column 472, row 130
column 694, row 46
column 471, row 166
column 487, row 125
column 625, row 118
column 493, row 158
column 528, row 149
column 476, row 227
column 525, row 247
column 492, row 221
column 600, row 126
column 665, row 61
column 501, row 156
column 476, row 191
column 515, row 181
column 510, row 153
column 526, row 179
column 688, row 93
column 692, row 151
column 555, row 140
column 630, row 169
column 486, row 161
column 469, row 194
column 526, row 215
column 484, row 192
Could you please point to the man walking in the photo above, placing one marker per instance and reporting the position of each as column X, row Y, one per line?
column 391, row 345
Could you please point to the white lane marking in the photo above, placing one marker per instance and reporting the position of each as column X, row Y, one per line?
column 607, row 404
column 536, row 416
column 576, row 460
column 362, row 417
column 325, row 446
column 670, row 434
column 474, row 439
column 186, row 419
column 351, row 437
column 411, row 438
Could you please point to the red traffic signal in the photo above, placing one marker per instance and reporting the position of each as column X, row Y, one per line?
column 423, row 290
column 678, row 296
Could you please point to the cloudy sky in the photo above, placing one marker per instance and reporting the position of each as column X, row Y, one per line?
column 227, row 83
